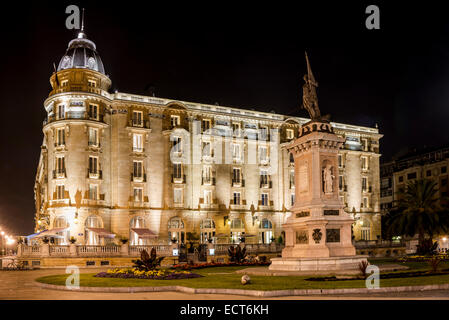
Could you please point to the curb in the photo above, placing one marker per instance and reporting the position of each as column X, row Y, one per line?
column 253, row 293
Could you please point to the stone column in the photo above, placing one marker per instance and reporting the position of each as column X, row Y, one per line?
column 45, row 250
column 72, row 250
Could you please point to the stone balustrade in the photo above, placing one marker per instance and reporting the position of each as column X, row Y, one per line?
column 73, row 250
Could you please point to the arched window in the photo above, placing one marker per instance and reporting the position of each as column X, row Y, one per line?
column 237, row 230
column 91, row 237
column 176, row 229
column 63, row 235
column 265, row 231
column 136, row 223
column 207, row 227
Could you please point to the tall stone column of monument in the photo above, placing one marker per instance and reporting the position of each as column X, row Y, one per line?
column 318, row 232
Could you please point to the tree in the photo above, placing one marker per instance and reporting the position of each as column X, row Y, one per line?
column 418, row 211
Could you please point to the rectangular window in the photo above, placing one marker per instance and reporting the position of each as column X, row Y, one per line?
column 236, row 129
column 93, row 165
column 175, row 121
column 138, row 194
column 265, row 199
column 263, row 133
column 206, row 124
column 290, row 133
column 365, row 203
column 401, row 179
column 428, row 173
column 137, row 169
column 60, row 137
column 177, row 170
column 207, row 149
column 177, row 144
column 93, row 137
column 365, row 234
column 91, row 83
column 443, row 169
column 137, row 142
column 411, row 176
column 364, row 184
column 177, row 195
column 207, row 174
column 364, row 163
column 137, row 119
column 61, row 111
column 60, row 165
column 93, row 191
column 292, row 179
column 340, row 183
column 236, row 198
column 236, row 175
column 340, row 161
column 263, row 154
column 444, row 182
column 60, row 192
column 93, row 111
column 263, row 177
column 235, row 151
column 292, row 199
column 207, row 196
column 364, row 144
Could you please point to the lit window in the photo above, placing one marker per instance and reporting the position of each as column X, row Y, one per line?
column 207, row 196
column 290, row 133
column 206, row 123
column 235, row 151
column 60, row 137
column 93, row 191
column 236, row 129
column 263, row 133
column 175, row 121
column 177, row 144
column 264, row 197
column 364, row 163
column 138, row 192
column 93, row 111
column 93, row 137
column 263, row 154
column 61, row 111
column 177, row 195
column 137, row 142
column 137, row 119
column 236, row 198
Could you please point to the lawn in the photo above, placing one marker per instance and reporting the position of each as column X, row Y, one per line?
column 224, row 277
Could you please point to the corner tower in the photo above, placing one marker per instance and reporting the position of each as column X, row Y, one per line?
column 72, row 181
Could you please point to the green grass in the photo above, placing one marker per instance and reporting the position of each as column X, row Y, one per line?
column 230, row 280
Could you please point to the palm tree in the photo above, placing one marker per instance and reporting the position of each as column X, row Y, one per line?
column 418, row 211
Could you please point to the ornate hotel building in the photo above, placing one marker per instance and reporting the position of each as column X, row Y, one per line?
column 124, row 165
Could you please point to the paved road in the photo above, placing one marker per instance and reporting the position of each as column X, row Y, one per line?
column 19, row 285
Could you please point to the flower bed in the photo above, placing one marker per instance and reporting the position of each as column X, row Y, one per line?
column 157, row 274
column 217, row 264
column 416, row 258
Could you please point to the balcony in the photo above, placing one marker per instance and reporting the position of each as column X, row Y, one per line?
column 135, row 123
column 97, row 174
column 74, row 116
column 178, row 179
column 239, row 183
column 237, row 206
column 208, row 205
column 268, row 205
column 141, row 178
column 208, row 181
column 59, row 174
column 266, row 183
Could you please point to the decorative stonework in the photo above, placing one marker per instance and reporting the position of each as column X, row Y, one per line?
column 302, row 237
column 317, row 235
column 303, row 214
column 331, row 212
column 332, row 235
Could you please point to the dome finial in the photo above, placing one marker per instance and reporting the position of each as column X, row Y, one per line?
column 81, row 34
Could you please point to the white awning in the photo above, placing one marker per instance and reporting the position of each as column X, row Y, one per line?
column 144, row 233
column 52, row 233
column 102, row 232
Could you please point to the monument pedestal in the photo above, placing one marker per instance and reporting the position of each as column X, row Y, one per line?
column 318, row 232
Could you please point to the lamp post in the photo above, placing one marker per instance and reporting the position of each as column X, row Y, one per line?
column 2, row 233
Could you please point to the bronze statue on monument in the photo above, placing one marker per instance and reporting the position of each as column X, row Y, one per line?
column 309, row 95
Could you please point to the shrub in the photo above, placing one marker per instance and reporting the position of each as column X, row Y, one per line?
column 236, row 254
column 362, row 267
column 147, row 262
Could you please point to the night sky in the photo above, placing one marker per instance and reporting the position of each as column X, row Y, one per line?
column 239, row 54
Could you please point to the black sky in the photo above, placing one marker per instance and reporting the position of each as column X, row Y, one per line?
column 241, row 54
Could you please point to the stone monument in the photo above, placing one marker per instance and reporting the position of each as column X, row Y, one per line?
column 318, row 232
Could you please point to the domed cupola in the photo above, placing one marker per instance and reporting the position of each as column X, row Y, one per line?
column 81, row 53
